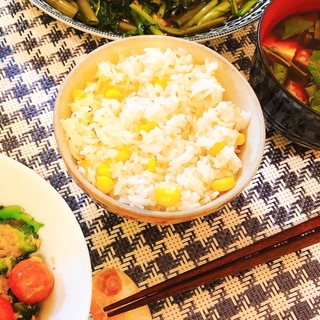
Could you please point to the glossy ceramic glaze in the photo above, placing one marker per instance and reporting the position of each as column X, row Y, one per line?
column 282, row 110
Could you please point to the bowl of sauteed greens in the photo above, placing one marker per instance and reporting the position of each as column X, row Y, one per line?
column 196, row 20
column 285, row 72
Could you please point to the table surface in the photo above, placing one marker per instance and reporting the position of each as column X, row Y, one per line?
column 36, row 53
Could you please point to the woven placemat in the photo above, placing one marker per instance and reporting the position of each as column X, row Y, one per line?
column 36, row 53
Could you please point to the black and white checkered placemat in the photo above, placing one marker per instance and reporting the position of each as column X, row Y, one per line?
column 36, row 53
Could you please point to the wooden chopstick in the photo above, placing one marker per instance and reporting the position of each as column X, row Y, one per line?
column 262, row 251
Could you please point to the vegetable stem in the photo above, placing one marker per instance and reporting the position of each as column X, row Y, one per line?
column 246, row 7
column 68, row 8
column 142, row 13
column 182, row 19
column 220, row 10
column 162, row 10
column 234, row 8
column 138, row 22
column 202, row 12
column 181, row 32
column 148, row 21
column 126, row 26
column 96, row 7
column 87, row 13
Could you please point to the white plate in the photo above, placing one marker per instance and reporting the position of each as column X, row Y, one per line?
column 63, row 245
column 231, row 26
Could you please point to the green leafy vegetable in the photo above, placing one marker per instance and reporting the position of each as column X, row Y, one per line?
column 18, row 213
column 86, row 13
column 315, row 104
column 246, row 7
column 18, row 236
column 280, row 71
column 295, row 25
column 68, row 8
column 26, row 311
column 314, row 66
column 172, row 17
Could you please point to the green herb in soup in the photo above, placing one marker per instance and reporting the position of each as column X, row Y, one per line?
column 292, row 49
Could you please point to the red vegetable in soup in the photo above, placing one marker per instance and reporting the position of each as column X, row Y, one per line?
column 292, row 49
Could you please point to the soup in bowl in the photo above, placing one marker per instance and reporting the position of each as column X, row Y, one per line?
column 285, row 70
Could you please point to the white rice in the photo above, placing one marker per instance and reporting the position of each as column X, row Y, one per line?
column 189, row 113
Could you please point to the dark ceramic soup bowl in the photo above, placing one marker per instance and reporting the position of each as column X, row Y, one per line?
column 282, row 110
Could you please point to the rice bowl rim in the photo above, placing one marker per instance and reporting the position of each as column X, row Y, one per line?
column 88, row 65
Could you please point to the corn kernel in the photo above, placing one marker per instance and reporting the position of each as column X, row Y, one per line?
column 104, row 184
column 77, row 94
column 223, row 184
column 151, row 166
column 167, row 194
column 148, row 126
column 103, row 170
column 101, row 87
column 161, row 82
column 123, row 155
column 216, row 148
column 84, row 163
column 113, row 94
column 204, row 151
column 90, row 83
column 241, row 139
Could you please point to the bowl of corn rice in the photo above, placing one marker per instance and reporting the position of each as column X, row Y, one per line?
column 159, row 129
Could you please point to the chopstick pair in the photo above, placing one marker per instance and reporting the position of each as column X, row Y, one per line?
column 265, row 250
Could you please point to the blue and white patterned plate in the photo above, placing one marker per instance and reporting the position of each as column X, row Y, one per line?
column 231, row 26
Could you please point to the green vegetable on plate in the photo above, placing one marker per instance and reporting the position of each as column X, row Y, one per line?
column 18, row 236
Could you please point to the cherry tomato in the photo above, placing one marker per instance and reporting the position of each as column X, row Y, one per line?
column 6, row 311
column 31, row 281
